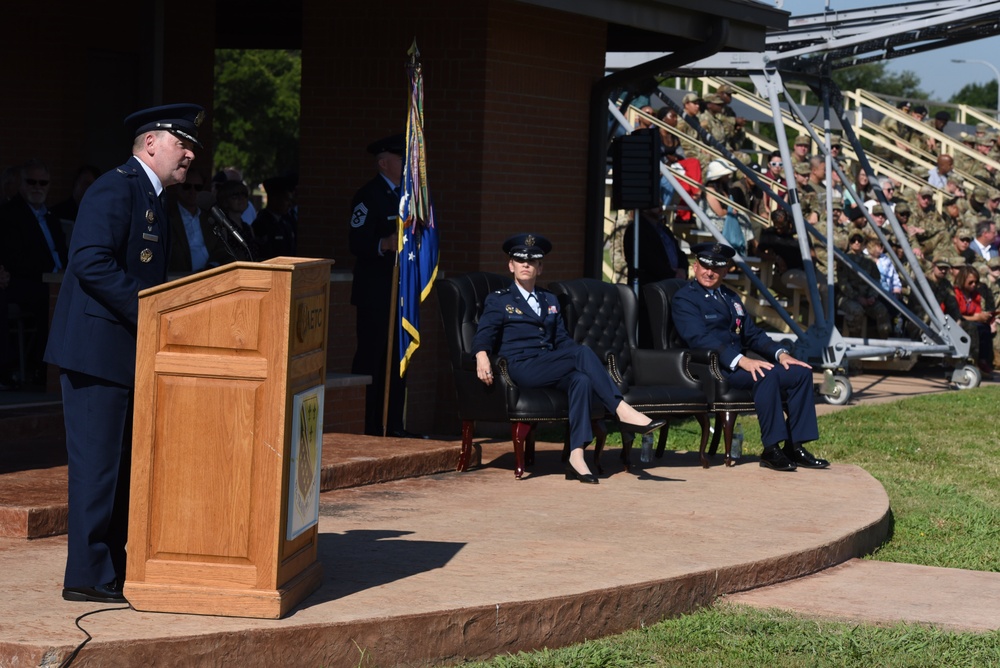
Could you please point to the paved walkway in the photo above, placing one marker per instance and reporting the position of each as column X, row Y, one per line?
column 446, row 567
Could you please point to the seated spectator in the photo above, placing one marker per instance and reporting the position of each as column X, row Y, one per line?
column 716, row 200
column 235, row 174
column 982, row 246
column 775, row 172
column 940, row 120
column 668, row 139
column 274, row 227
column 862, row 187
column 194, row 245
column 938, row 176
column 31, row 244
column 715, row 194
column 780, row 246
column 856, row 299
column 961, row 243
column 66, row 209
column 888, row 187
column 10, row 179
column 970, row 305
column 233, row 198
column 889, row 277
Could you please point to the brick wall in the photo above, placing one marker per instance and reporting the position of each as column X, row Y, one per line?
column 507, row 90
column 73, row 75
column 507, row 93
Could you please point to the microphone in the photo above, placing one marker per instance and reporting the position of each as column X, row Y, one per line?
column 222, row 219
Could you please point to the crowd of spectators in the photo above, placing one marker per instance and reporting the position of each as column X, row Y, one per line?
column 949, row 216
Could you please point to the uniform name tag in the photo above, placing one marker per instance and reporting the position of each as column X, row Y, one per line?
column 150, row 237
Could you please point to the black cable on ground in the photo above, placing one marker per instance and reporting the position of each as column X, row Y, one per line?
column 69, row 659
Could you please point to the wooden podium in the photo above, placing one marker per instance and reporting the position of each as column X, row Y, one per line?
column 228, row 361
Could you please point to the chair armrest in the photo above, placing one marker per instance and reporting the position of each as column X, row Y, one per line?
column 468, row 362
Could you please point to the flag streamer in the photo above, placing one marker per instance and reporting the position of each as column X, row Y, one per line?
column 418, row 241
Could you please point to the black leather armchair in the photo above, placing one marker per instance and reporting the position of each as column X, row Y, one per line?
column 461, row 300
column 726, row 402
column 657, row 382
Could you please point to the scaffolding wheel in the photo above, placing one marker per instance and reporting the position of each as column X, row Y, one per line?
column 966, row 377
column 841, row 391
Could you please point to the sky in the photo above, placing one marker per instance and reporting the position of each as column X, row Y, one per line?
column 938, row 75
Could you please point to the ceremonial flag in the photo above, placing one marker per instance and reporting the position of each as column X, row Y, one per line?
column 418, row 241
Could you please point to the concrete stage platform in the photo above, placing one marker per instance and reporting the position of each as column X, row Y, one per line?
column 428, row 566
column 447, row 567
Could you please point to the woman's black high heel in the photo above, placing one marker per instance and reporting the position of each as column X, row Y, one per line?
column 573, row 474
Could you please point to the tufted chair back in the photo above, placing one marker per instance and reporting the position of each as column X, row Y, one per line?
column 602, row 317
column 461, row 299
column 658, row 296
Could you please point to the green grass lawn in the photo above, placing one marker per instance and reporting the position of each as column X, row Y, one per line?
column 938, row 457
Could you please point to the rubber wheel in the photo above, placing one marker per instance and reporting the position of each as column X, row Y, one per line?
column 842, row 392
column 971, row 377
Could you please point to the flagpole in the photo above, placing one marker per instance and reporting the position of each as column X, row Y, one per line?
column 392, row 328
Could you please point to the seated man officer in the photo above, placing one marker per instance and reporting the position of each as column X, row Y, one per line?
column 523, row 324
column 708, row 315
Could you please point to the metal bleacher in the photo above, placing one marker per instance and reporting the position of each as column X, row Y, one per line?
column 807, row 53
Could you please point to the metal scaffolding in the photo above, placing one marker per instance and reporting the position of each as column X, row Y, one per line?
column 811, row 48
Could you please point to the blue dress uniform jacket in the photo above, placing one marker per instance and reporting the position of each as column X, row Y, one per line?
column 524, row 334
column 723, row 325
column 374, row 214
column 541, row 353
column 119, row 247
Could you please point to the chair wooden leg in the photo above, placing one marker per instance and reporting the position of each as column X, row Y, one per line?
column 626, row 455
column 518, row 433
column 661, row 443
column 728, row 436
column 468, row 427
column 714, row 447
column 702, row 419
column 529, row 448
column 601, row 434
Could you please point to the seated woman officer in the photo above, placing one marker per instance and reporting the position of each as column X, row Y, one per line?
column 540, row 352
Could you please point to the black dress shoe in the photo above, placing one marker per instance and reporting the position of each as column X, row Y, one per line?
column 402, row 433
column 573, row 474
column 642, row 428
column 803, row 458
column 774, row 458
column 107, row 593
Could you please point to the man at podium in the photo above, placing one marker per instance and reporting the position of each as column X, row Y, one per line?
column 120, row 246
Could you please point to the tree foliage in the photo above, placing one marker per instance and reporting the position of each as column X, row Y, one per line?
column 983, row 96
column 256, row 111
column 874, row 78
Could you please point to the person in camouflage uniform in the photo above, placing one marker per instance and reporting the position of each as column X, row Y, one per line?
column 800, row 149
column 727, row 130
column 808, row 199
column 898, row 132
column 927, row 228
column 964, row 163
column 686, row 123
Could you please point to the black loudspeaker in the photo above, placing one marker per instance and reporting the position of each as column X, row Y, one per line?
column 635, row 170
